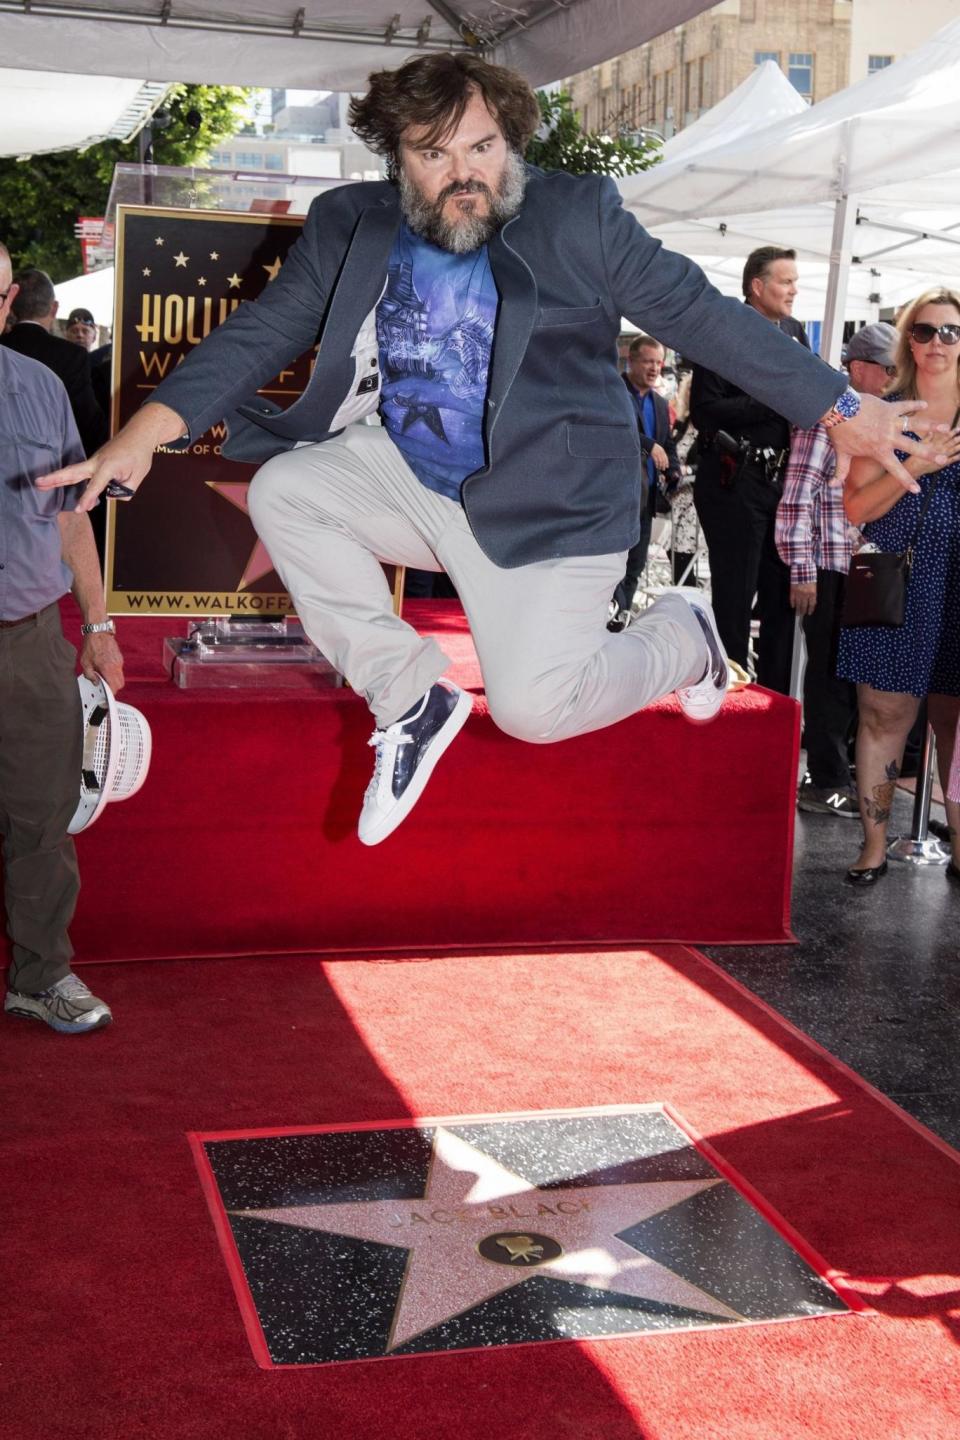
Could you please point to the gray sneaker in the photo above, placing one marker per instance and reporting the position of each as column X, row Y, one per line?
column 67, row 1007
column 828, row 800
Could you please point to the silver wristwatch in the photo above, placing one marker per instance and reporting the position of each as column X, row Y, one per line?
column 99, row 627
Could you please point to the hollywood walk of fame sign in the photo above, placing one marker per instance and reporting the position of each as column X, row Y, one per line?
column 468, row 1233
column 187, row 546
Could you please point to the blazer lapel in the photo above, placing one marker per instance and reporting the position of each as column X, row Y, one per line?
column 515, row 321
column 358, row 285
column 661, row 411
column 356, row 292
column 364, row 270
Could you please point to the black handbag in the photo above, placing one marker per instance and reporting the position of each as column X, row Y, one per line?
column 876, row 588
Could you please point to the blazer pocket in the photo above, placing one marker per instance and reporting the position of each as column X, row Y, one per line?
column 569, row 315
column 602, row 442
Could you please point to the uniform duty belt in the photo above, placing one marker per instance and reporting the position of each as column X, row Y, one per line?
column 766, row 455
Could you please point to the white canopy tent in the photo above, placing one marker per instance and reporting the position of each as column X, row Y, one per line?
column 51, row 97
column 93, row 292
column 765, row 98
column 43, row 110
column 318, row 44
column 864, row 185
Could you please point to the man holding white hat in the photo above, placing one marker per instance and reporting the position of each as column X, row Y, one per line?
column 46, row 548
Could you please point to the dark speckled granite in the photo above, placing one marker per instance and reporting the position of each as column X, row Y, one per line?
column 876, row 975
column 659, row 1241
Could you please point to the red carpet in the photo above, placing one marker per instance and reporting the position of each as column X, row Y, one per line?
column 122, row 1320
column 243, row 840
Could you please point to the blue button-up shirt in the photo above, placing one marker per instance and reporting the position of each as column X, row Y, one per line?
column 647, row 416
column 37, row 435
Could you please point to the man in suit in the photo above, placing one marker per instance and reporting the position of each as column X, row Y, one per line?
column 475, row 302
column 659, row 459
column 35, row 310
column 736, row 494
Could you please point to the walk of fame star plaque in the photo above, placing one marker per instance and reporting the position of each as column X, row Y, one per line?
column 186, row 546
column 350, row 1243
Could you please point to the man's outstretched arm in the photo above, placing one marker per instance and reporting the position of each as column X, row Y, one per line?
column 125, row 459
column 256, row 341
column 669, row 296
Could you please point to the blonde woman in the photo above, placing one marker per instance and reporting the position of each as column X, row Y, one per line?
column 895, row 667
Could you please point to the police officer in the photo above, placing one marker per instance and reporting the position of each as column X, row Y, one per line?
column 743, row 452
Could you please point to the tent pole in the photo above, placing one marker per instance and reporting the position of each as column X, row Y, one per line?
column 841, row 254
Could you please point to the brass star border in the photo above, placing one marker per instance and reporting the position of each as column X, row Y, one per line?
column 385, row 1239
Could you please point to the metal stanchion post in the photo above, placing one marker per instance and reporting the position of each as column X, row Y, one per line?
column 920, row 847
column 798, row 664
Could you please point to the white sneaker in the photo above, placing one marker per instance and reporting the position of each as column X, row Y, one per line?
column 702, row 701
column 407, row 752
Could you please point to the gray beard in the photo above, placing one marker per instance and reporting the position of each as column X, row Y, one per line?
column 426, row 218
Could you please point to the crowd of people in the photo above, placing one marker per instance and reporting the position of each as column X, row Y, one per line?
column 780, row 533
column 528, row 470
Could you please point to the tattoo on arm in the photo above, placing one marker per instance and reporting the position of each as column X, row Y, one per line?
column 879, row 807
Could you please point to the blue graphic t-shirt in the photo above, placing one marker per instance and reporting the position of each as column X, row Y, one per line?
column 435, row 331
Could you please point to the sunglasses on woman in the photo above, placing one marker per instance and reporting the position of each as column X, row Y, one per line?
column 923, row 333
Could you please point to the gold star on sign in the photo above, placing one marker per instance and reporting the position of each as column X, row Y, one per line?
column 259, row 563
column 214, row 255
column 159, row 240
column 273, row 270
column 202, row 280
column 146, row 269
column 181, row 260
column 234, row 281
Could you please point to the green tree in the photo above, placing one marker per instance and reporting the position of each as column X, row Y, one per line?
column 563, row 144
column 41, row 197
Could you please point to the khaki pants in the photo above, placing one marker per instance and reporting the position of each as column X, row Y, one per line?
column 329, row 513
column 41, row 740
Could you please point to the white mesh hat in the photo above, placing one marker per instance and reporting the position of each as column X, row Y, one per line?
column 116, row 751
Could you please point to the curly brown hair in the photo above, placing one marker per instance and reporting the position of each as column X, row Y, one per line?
column 433, row 92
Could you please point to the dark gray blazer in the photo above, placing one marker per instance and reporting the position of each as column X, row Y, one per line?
column 562, row 475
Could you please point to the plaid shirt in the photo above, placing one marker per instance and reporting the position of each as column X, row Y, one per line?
column 813, row 532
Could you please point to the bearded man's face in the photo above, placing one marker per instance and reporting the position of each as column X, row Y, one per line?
column 457, row 192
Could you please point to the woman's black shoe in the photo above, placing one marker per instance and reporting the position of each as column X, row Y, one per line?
column 953, row 871
column 866, row 877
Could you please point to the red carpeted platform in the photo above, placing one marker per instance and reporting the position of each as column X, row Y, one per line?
column 121, row 1319
column 243, row 839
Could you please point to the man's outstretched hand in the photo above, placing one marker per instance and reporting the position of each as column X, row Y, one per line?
column 126, row 458
column 878, row 431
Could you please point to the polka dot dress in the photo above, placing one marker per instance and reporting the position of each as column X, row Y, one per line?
column 923, row 654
